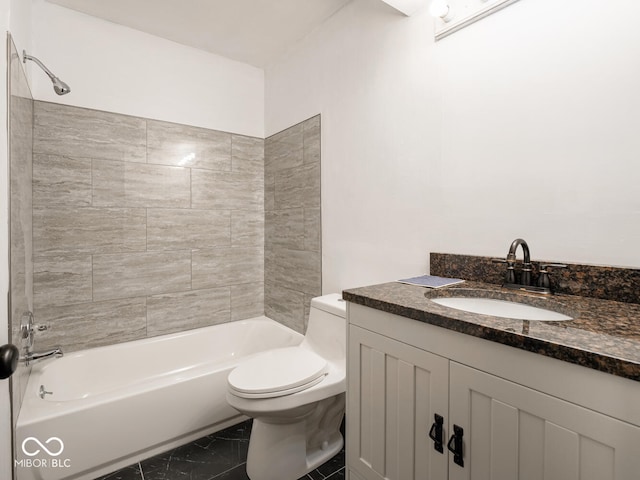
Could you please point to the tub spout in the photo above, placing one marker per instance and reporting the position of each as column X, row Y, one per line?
column 37, row 356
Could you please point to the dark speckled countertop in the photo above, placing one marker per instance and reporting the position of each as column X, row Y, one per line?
column 603, row 335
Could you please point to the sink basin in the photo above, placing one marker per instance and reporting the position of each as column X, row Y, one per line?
column 501, row 308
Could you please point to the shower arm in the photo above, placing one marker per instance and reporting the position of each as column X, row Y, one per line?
column 59, row 86
column 26, row 57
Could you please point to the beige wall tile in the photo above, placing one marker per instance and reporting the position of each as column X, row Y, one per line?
column 247, row 154
column 61, row 181
column 71, row 230
column 186, row 146
column 285, row 228
column 269, row 192
column 298, row 187
column 226, row 190
column 247, row 228
column 311, row 140
column 247, row 301
column 295, row 269
column 227, row 266
column 284, row 305
column 80, row 132
column 175, row 312
column 284, row 149
column 312, row 231
column 122, row 184
column 186, row 229
column 136, row 274
column 62, row 280
column 88, row 325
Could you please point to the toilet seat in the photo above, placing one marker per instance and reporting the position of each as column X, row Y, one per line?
column 278, row 372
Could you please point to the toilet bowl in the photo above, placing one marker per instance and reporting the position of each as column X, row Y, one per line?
column 296, row 396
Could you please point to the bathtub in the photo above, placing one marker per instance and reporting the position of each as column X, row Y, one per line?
column 113, row 406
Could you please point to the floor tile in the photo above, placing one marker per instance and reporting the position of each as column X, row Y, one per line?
column 237, row 473
column 332, row 465
column 219, row 456
column 339, row 475
column 201, row 460
column 128, row 473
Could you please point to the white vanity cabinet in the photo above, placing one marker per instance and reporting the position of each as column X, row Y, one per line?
column 522, row 416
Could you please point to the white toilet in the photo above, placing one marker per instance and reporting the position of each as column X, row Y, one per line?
column 296, row 397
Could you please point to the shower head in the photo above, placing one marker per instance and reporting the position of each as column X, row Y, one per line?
column 59, row 86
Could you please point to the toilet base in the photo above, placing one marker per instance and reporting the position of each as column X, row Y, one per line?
column 289, row 450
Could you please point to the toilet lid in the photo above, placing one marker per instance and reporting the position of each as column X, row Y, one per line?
column 278, row 372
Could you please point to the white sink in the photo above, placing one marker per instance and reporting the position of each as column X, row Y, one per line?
column 501, row 308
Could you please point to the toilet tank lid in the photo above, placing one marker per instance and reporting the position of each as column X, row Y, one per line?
column 331, row 303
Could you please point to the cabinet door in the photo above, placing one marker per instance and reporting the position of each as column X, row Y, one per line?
column 514, row 433
column 393, row 392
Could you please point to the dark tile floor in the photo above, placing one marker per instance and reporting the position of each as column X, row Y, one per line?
column 220, row 456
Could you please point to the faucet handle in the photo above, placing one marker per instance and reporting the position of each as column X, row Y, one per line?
column 41, row 328
column 545, row 266
column 498, row 260
column 543, row 278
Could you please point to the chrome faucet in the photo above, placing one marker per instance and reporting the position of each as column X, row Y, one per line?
column 37, row 356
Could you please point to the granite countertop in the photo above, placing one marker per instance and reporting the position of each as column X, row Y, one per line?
column 603, row 335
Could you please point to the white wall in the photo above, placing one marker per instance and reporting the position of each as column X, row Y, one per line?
column 523, row 124
column 369, row 72
column 118, row 69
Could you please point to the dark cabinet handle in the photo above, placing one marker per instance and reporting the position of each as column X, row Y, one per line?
column 455, row 445
column 435, row 433
column 9, row 356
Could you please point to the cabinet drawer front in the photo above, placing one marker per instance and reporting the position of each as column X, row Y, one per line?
column 393, row 392
column 514, row 432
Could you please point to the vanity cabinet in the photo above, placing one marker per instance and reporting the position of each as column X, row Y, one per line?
column 403, row 375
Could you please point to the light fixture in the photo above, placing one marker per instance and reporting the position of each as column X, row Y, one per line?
column 441, row 9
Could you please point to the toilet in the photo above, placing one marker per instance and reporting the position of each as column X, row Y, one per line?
column 296, row 396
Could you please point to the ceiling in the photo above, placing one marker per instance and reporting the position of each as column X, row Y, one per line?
column 249, row 31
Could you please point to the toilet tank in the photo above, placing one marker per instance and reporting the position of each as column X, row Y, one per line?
column 327, row 328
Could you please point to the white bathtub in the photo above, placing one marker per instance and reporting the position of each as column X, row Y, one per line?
column 112, row 406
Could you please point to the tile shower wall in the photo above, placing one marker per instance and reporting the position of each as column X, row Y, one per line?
column 142, row 227
column 20, row 166
column 292, row 223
